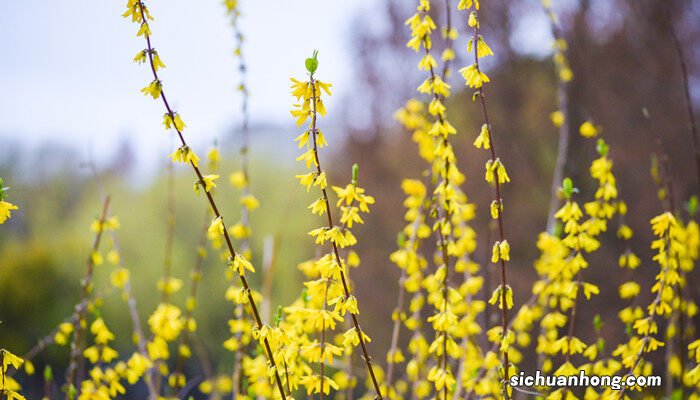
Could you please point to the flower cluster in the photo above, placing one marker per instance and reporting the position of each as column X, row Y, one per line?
column 455, row 309
column 329, row 282
column 167, row 320
column 496, row 175
column 5, row 206
column 8, row 386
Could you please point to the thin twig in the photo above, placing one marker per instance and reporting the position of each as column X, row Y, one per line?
column 217, row 214
column 365, row 353
column 76, row 343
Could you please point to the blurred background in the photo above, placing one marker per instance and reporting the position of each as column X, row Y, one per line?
column 70, row 98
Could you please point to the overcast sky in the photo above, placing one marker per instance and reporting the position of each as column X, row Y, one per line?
column 66, row 71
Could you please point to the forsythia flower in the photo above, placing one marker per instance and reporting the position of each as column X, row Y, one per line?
column 496, row 168
column 474, row 77
column 557, row 118
column 497, row 296
column 483, row 140
column 176, row 121
column 154, row 89
column 240, row 264
column 217, row 226
column 166, row 321
column 207, row 182
column 588, row 130
column 250, row 202
column 5, row 208
column 185, row 155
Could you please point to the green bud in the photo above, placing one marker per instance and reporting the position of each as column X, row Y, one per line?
column 355, row 169
column 677, row 394
column 280, row 316
column 558, row 229
column 597, row 322
column 401, row 239
column 602, row 148
column 312, row 63
column 72, row 391
column 692, row 205
column 601, row 345
column 567, row 188
column 48, row 373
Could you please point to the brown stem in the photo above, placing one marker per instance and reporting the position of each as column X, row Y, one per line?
column 336, row 253
column 446, row 218
column 652, row 314
column 692, row 127
column 169, row 235
column 76, row 343
column 499, row 205
column 396, row 330
column 217, row 214
column 194, row 285
column 564, row 130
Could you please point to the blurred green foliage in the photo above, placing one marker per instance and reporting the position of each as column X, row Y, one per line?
column 45, row 246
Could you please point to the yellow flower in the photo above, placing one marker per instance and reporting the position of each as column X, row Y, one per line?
column 588, row 130
column 9, row 359
column 240, row 264
column 629, row 289
column 144, row 30
column 482, row 49
column 306, row 180
column 497, row 296
column 496, row 169
column 313, row 384
column 119, row 278
column 495, row 209
column 319, row 234
column 504, row 250
column 484, row 138
column 169, row 285
column 350, row 215
column 207, row 182
column 157, row 62
column 473, row 76
column 661, row 223
column 166, row 321
column 216, row 227
column 214, row 156
column 185, row 155
column 64, row 329
column 351, row 337
column 141, row 57
column 250, row 202
column 321, row 181
column 557, row 118
column 5, row 208
column 240, row 231
column 589, row 289
column 427, row 63
column 169, row 121
column 309, row 157
column 154, row 89
column 238, row 179
column 318, row 206
column 473, row 21
column 346, row 194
